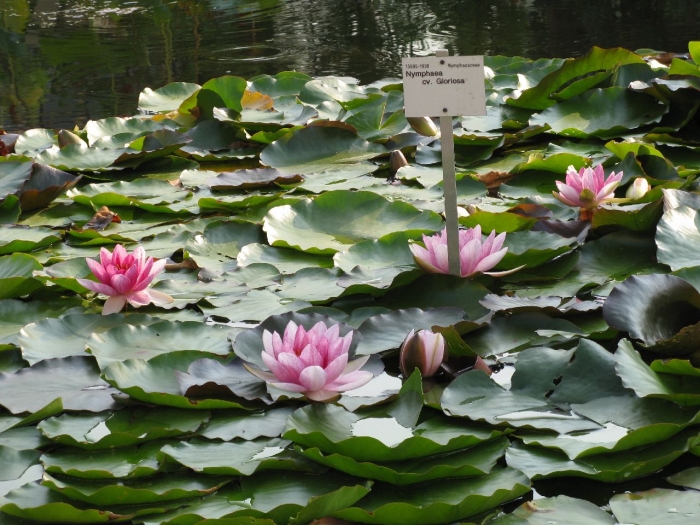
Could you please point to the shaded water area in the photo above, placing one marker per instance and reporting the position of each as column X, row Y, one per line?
column 63, row 62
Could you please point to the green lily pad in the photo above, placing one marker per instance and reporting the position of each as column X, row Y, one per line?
column 434, row 503
column 66, row 336
column 655, row 382
column 13, row 175
column 154, row 381
column 247, row 425
column 672, row 507
column 337, row 219
column 474, row 461
column 145, row 342
column 121, row 428
column 74, row 380
column 16, row 272
column 334, row 430
column 39, row 503
column 663, row 311
column 166, row 487
column 539, row 96
column 16, row 462
column 604, row 113
column 314, row 149
column 133, row 461
column 541, row 463
column 560, row 509
column 239, row 458
column 689, row 478
column 286, row 260
column 677, row 237
column 166, row 98
column 15, row 238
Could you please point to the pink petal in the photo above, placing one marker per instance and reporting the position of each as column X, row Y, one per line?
column 105, row 257
column 159, row 297
column 313, row 378
column 336, row 367
column 469, row 257
column 121, row 283
column 289, row 387
column 267, row 342
column 114, row 304
column 490, row 261
column 138, row 298
column 321, row 395
column 350, row 381
column 97, row 287
column 265, row 376
column 356, row 364
column 98, row 270
column 291, row 366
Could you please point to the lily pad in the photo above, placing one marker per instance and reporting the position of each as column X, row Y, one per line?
column 121, row 428
column 145, row 342
column 239, row 458
column 166, row 487
column 131, row 461
column 314, row 149
column 74, row 380
column 663, row 311
column 434, row 503
column 335, row 430
column 337, row 219
column 673, row 507
column 474, row 461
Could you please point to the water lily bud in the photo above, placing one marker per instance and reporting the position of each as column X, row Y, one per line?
column 397, row 160
column 423, row 350
column 66, row 137
column 637, row 189
column 423, row 126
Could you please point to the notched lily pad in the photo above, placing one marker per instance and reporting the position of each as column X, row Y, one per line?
column 662, row 311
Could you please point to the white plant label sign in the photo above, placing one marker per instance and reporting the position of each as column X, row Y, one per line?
column 444, row 86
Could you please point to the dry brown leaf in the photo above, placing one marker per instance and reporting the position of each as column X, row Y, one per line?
column 255, row 100
column 493, row 179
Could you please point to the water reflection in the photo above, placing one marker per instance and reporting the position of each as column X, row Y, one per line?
column 65, row 61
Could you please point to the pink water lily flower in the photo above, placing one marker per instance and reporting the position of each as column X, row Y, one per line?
column 314, row 362
column 125, row 277
column 475, row 254
column 588, row 188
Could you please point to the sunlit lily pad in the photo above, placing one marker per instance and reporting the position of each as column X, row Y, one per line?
column 433, row 503
column 121, row 428
column 561, row 509
column 75, row 380
column 315, row 149
column 145, row 342
column 16, row 273
column 474, row 461
column 124, row 462
column 335, row 430
column 155, row 382
column 539, row 463
column 673, row 507
column 239, row 458
column 337, row 219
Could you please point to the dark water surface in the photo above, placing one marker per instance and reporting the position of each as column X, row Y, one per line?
column 63, row 62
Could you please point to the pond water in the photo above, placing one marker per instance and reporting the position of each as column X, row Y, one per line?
column 63, row 62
